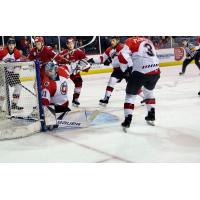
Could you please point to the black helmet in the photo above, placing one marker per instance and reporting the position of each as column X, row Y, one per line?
column 115, row 37
column 11, row 41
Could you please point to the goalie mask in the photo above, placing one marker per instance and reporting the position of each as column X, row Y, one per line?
column 51, row 70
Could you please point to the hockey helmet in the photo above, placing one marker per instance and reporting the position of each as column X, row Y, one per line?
column 11, row 41
column 51, row 70
column 39, row 39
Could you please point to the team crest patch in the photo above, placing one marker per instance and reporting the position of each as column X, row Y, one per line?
column 63, row 88
column 46, row 84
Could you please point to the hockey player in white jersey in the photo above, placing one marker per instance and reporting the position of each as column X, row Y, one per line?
column 54, row 85
column 139, row 57
column 11, row 54
column 55, row 93
column 110, row 56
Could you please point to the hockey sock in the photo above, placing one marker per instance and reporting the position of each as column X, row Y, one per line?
column 129, row 104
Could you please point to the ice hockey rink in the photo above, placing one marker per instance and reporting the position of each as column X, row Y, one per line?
column 175, row 138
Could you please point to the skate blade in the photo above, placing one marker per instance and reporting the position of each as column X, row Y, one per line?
column 124, row 129
column 151, row 123
column 75, row 105
column 103, row 104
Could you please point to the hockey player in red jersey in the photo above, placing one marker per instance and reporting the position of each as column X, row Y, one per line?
column 44, row 54
column 74, row 55
column 11, row 54
column 138, row 56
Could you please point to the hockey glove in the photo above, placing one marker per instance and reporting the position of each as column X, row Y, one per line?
column 127, row 73
column 108, row 61
column 91, row 61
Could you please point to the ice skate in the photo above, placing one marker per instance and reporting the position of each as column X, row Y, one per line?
column 126, row 123
column 16, row 107
column 75, row 103
column 150, row 118
column 104, row 102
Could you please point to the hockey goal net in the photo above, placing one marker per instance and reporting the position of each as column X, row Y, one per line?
column 19, row 105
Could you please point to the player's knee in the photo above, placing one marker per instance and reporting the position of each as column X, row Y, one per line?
column 78, row 82
column 112, row 81
column 129, row 98
column 148, row 94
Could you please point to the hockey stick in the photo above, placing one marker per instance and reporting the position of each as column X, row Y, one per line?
column 28, row 90
column 69, row 119
column 93, row 39
column 31, row 119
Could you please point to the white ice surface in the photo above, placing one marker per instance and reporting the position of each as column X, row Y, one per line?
column 175, row 138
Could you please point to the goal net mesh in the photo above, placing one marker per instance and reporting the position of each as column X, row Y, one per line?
column 19, row 114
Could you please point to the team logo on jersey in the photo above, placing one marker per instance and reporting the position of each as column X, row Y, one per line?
column 63, row 88
column 46, row 83
column 34, row 53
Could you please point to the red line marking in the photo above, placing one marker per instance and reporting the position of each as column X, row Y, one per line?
column 93, row 149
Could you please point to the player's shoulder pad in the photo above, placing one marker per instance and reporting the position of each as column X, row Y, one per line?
column 62, row 71
column 119, row 47
column 63, row 52
column 34, row 49
column 17, row 53
column 108, row 50
column 45, row 81
column 4, row 51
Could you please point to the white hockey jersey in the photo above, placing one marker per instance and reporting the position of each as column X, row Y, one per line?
column 111, row 53
column 139, row 53
column 6, row 57
column 55, row 92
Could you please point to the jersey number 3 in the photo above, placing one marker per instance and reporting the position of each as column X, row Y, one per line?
column 149, row 49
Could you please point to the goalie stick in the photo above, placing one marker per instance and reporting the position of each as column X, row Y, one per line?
column 68, row 119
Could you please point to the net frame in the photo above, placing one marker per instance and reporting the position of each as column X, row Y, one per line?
column 16, row 126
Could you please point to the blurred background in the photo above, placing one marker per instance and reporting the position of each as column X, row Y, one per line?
column 58, row 43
